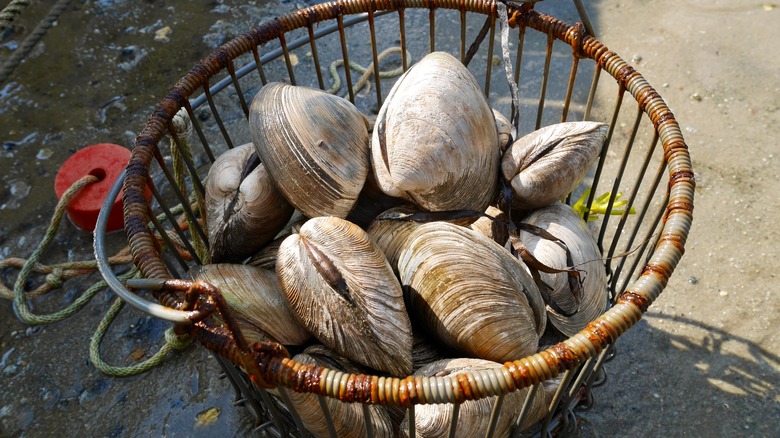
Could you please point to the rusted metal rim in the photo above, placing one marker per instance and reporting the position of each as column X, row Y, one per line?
column 524, row 372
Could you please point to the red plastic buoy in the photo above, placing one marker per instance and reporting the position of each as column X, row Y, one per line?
column 105, row 161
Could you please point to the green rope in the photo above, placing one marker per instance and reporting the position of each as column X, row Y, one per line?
column 365, row 71
column 20, row 303
column 29, row 43
column 183, row 126
column 172, row 342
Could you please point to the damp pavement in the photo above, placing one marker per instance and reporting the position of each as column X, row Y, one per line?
column 703, row 362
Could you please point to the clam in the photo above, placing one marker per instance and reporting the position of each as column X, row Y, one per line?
column 256, row 298
column 547, row 164
column 435, row 139
column 243, row 208
column 473, row 415
column 341, row 288
column 371, row 202
column 315, row 146
column 570, row 313
column 348, row 418
column 470, row 293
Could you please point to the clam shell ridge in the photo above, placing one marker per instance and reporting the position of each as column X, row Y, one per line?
column 242, row 215
column 470, row 293
column 547, row 164
column 435, row 141
column 314, row 144
column 255, row 297
column 343, row 291
column 563, row 222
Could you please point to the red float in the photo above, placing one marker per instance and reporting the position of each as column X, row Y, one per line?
column 105, row 161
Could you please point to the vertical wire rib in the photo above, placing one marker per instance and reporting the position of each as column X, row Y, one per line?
column 293, row 412
column 367, row 420
column 527, row 403
column 345, row 56
column 232, row 70
column 314, row 56
column 327, row 417
column 592, row 93
column 239, row 384
column 215, row 113
column 453, row 428
column 603, row 154
column 462, row 35
column 575, row 63
column 639, row 220
column 375, row 57
column 545, row 77
column 494, row 414
column 584, row 17
column 259, row 65
column 518, row 65
column 164, row 234
column 199, row 131
column 619, row 178
column 432, row 28
column 631, row 199
column 287, row 60
column 561, row 395
column 185, row 203
column 489, row 67
column 646, row 241
column 596, row 367
column 412, row 431
column 402, row 26
column 276, row 416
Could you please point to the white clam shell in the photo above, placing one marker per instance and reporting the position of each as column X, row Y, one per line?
column 242, row 214
column 341, row 288
column 547, row 164
column 314, row 145
column 435, row 141
column 470, row 293
column 563, row 222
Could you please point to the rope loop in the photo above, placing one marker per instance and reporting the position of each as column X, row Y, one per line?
column 175, row 341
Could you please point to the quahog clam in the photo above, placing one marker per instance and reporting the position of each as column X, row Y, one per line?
column 435, row 141
column 504, row 127
column 574, row 312
column 341, row 288
column 244, row 210
column 315, row 146
column 547, row 164
column 470, row 293
column 348, row 418
column 256, row 298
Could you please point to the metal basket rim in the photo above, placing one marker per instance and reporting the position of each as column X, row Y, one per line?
column 524, row 372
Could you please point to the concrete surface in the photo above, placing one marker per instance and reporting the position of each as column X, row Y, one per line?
column 703, row 362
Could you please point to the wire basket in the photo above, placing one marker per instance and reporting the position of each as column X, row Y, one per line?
column 563, row 73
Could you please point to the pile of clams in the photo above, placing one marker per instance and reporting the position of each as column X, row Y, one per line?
column 388, row 248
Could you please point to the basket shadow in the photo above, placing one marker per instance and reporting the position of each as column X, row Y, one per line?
column 671, row 373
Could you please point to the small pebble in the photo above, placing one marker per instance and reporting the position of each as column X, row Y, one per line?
column 10, row 370
column 636, row 59
column 44, row 154
column 162, row 34
column 693, row 280
column 696, row 97
column 723, row 293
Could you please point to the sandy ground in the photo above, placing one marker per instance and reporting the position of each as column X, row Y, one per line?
column 703, row 362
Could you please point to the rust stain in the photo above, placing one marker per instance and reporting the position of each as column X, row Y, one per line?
column 566, row 357
column 637, row 300
column 656, row 269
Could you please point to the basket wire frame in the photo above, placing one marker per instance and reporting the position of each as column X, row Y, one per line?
column 226, row 78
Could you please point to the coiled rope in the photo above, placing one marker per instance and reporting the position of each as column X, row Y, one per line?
column 19, row 54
